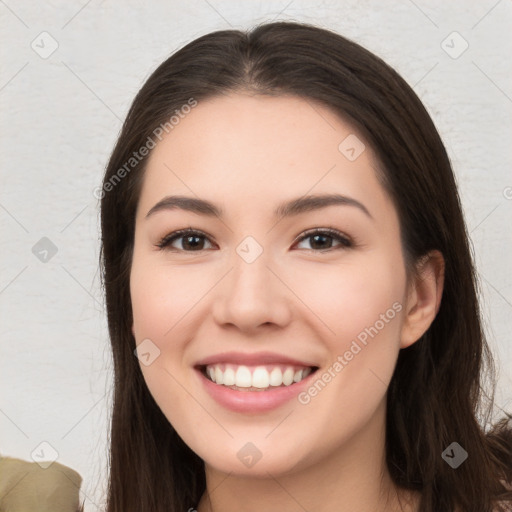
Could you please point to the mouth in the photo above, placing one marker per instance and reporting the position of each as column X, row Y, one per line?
column 254, row 389
column 257, row 378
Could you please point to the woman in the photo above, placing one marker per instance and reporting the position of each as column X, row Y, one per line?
column 322, row 349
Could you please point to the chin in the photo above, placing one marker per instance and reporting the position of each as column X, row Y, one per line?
column 254, row 459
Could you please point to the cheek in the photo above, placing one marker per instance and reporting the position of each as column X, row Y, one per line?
column 362, row 308
column 360, row 313
column 163, row 299
column 161, row 296
column 348, row 299
column 159, row 302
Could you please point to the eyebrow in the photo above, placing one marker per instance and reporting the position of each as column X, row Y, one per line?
column 287, row 209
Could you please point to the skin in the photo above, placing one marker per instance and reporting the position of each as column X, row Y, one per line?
column 247, row 154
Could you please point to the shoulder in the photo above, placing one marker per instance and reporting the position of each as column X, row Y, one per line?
column 24, row 485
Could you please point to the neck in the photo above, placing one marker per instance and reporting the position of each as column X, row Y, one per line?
column 353, row 476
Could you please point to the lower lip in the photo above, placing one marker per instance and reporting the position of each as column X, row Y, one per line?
column 253, row 401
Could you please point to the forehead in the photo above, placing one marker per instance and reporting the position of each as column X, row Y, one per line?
column 247, row 150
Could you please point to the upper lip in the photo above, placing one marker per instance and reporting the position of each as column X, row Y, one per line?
column 256, row 358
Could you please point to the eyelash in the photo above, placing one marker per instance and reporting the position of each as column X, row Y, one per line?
column 345, row 242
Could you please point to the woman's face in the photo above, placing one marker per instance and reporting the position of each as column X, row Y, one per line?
column 251, row 282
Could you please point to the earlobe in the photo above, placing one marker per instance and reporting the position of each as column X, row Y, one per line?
column 424, row 298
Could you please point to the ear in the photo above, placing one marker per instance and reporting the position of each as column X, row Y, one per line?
column 424, row 298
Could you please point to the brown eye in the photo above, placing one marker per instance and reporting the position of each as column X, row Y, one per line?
column 321, row 239
column 192, row 241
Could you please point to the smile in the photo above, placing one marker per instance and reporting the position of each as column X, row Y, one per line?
column 255, row 378
column 257, row 389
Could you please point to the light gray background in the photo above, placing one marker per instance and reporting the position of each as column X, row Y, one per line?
column 61, row 116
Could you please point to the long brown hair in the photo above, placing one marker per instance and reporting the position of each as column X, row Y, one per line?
column 437, row 393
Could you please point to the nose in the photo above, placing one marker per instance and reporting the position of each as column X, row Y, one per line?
column 252, row 295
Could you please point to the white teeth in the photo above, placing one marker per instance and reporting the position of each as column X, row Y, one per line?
column 242, row 377
column 258, row 377
column 218, row 375
column 276, row 377
column 229, row 377
column 288, row 376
